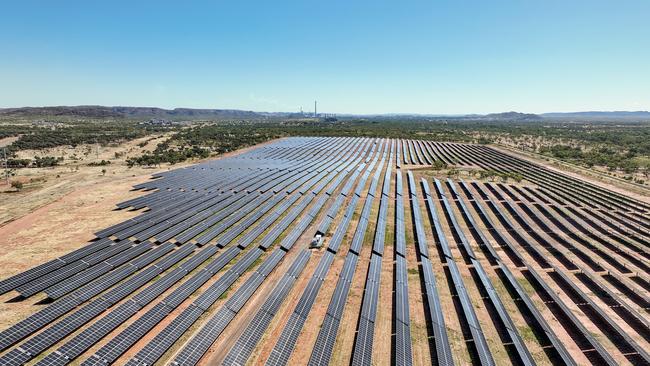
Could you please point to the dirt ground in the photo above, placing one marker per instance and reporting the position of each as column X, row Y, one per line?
column 60, row 208
column 55, row 229
column 43, row 186
column 7, row 141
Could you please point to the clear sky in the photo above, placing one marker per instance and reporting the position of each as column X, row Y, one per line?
column 353, row 56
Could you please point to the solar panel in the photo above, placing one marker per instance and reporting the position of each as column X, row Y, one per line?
column 36, row 321
column 163, row 340
column 277, row 191
column 98, row 330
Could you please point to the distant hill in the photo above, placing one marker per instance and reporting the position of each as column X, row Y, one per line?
column 504, row 116
column 512, row 116
column 91, row 111
column 96, row 111
column 645, row 115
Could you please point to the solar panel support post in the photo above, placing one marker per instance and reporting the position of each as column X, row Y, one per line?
column 4, row 150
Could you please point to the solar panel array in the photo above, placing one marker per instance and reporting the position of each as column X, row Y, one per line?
column 403, row 348
column 511, row 336
column 363, row 344
column 286, row 343
column 241, row 351
column 219, row 259
column 436, row 317
column 322, row 351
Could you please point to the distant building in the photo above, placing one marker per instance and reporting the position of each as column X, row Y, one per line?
column 158, row 122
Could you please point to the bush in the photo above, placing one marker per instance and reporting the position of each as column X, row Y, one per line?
column 17, row 185
column 438, row 165
column 101, row 163
column 165, row 154
column 47, row 161
column 42, row 138
column 18, row 163
column 504, row 176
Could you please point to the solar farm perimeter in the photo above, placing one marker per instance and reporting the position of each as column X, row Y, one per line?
column 219, row 268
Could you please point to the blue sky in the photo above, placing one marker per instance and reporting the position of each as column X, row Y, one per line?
column 447, row 57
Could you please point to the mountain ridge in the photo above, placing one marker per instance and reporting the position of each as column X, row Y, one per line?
column 598, row 114
column 98, row 111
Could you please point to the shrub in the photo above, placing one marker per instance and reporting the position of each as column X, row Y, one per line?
column 47, row 161
column 101, row 163
column 17, row 185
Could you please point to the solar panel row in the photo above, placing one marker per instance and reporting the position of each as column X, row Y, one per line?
column 626, row 344
column 362, row 353
column 195, row 349
column 598, row 244
column 117, row 316
column 436, row 317
column 129, row 345
column 468, row 312
column 560, row 310
column 286, row 343
column 73, row 321
column 92, row 273
column 443, row 350
column 322, row 351
column 49, row 267
column 559, row 184
column 510, row 333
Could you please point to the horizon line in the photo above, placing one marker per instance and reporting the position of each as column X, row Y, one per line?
column 335, row 113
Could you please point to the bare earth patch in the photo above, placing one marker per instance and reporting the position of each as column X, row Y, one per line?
column 57, row 228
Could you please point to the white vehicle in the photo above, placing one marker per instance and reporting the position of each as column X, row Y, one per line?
column 317, row 242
